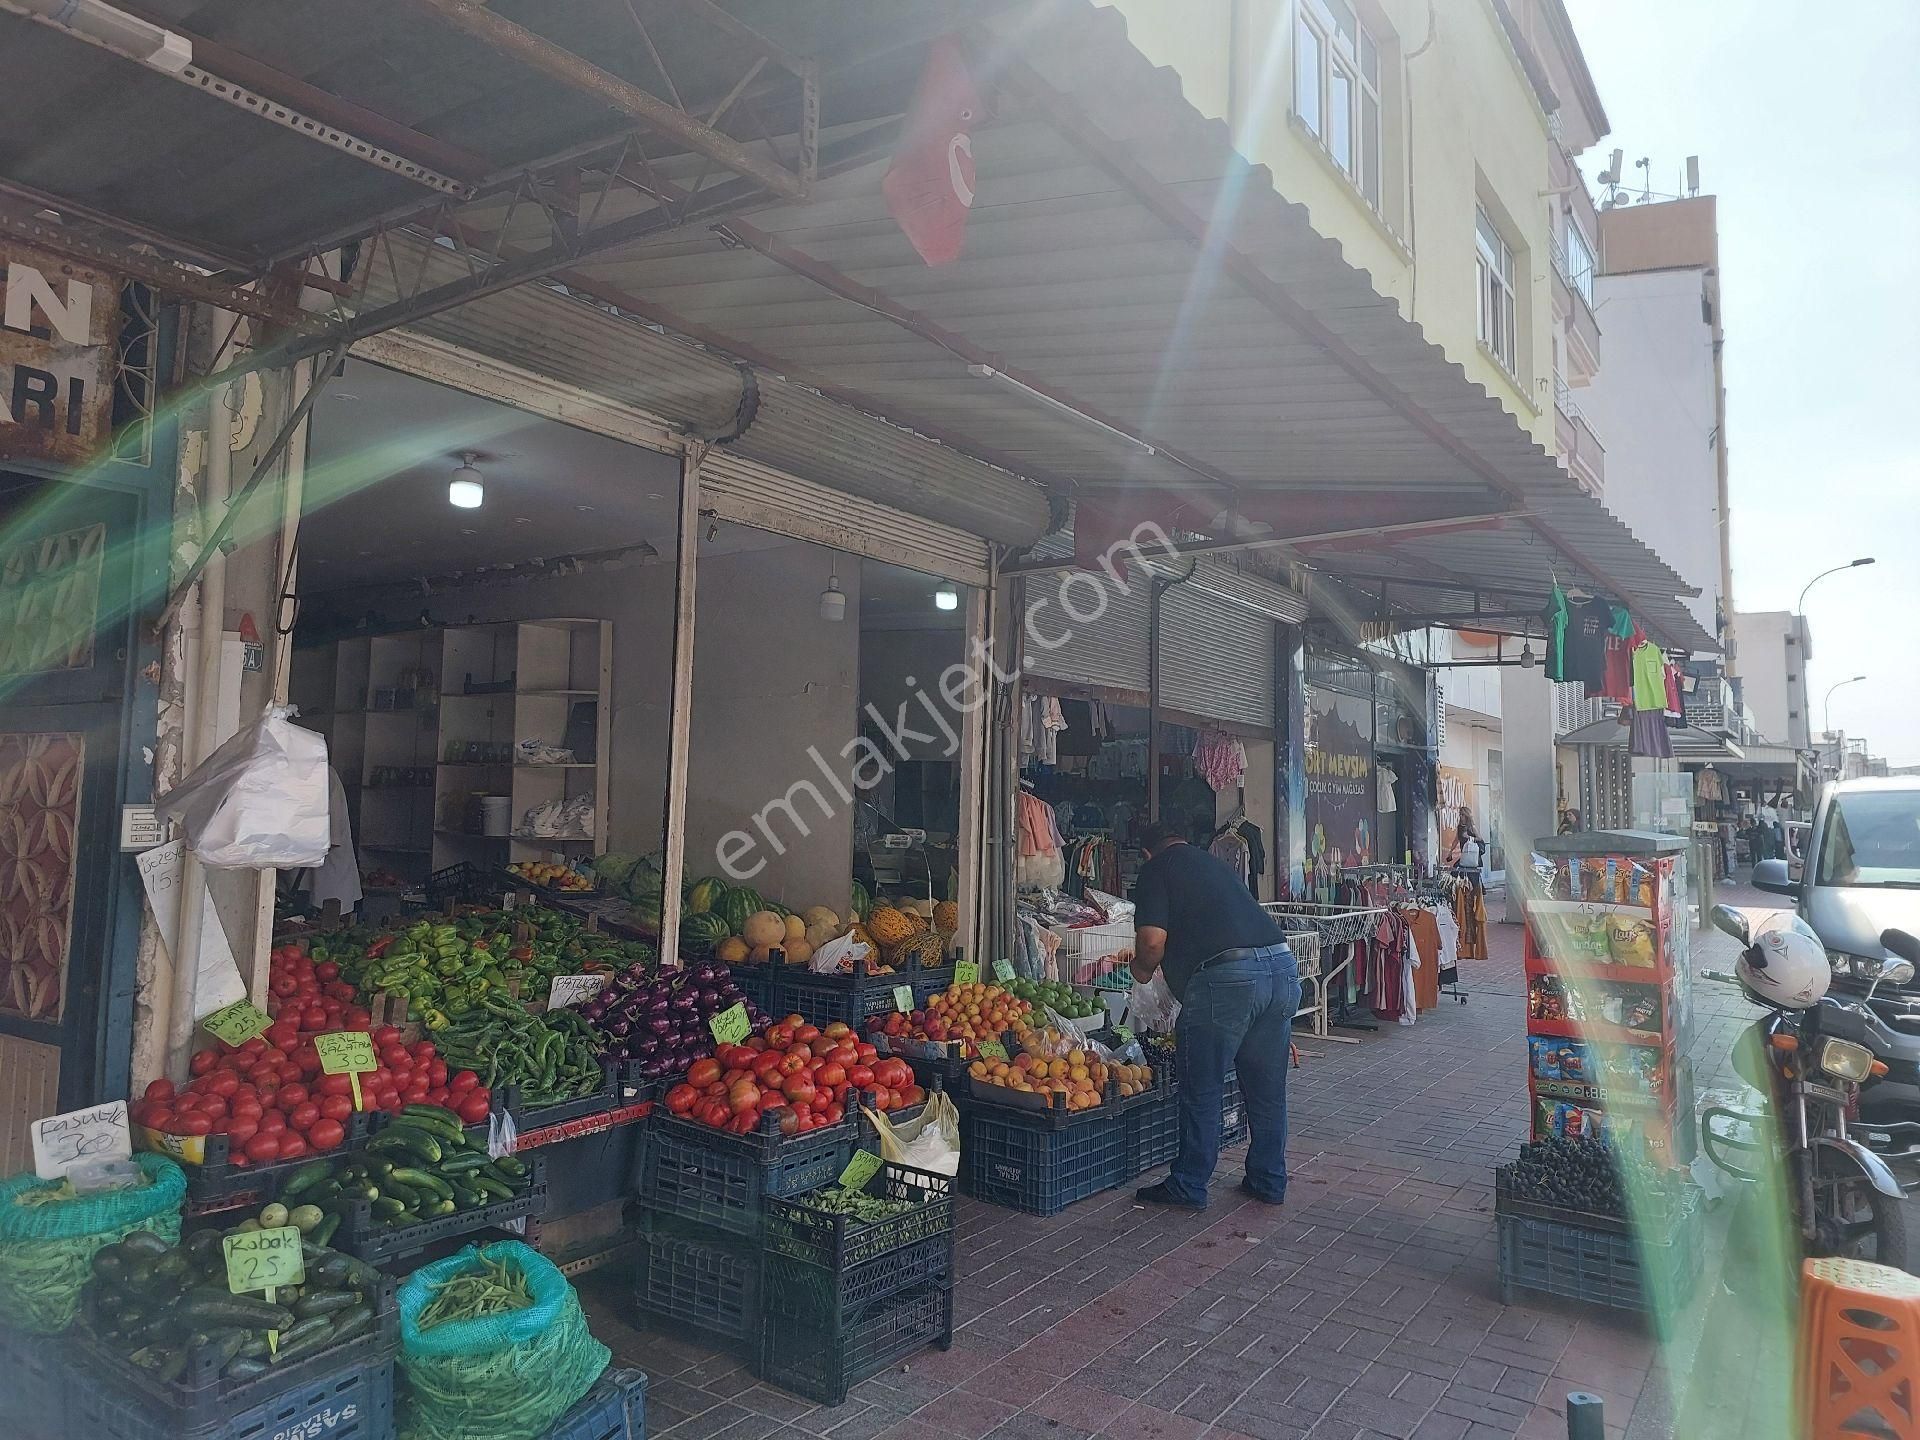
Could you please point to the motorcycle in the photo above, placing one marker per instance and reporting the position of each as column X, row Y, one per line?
column 1810, row 1064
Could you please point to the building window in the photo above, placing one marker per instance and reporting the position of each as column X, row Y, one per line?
column 1494, row 264
column 1579, row 261
column 1336, row 89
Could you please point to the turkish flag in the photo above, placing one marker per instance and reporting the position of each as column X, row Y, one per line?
column 929, row 186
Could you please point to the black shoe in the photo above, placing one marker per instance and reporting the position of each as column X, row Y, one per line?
column 1253, row 1194
column 1163, row 1194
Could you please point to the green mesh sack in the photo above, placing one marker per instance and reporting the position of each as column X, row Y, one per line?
column 496, row 1377
column 47, row 1244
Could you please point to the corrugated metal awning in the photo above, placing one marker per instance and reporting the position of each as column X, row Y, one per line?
column 1689, row 743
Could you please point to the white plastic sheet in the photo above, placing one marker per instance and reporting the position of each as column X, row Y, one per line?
column 259, row 802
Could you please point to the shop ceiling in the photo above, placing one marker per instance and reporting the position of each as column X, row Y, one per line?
column 1137, row 317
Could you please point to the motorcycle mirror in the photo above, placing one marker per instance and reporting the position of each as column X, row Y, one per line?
column 1906, row 947
column 1733, row 922
column 1896, row 972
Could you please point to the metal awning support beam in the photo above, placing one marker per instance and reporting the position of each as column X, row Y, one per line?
column 1369, row 538
column 1124, row 166
column 926, row 328
column 623, row 95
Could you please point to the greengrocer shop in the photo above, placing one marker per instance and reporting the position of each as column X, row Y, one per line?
column 656, row 537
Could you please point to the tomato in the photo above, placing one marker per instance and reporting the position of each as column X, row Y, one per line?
column 865, row 1053
column 272, row 1122
column 473, row 1109
column 194, row 1124
column 913, row 1095
column 327, row 1135
column 358, row 1019
column 326, row 970
column 844, row 1055
column 263, row 1147
column 245, row 1107
column 780, row 1036
column 860, row 1077
column 438, row 1097
column 239, row 1132
column 807, row 1034
column 223, row 1082
column 161, row 1089
column 799, row 1089
column 773, row 1064
column 159, row 1117
column 462, row 1081
column 386, row 1035
column 421, row 1050
column 203, row 1061
column 395, row 1056
column 831, row 1074
column 291, row 1097
column 214, row 1105
column 682, row 1098
column 337, row 1107
column 437, row 1073
column 314, row 1017
column 716, row 1113
column 188, row 1103
column 745, row 1123
column 283, row 985
column 703, row 1073
column 743, row 1095
column 291, row 1146
column 415, row 1092
column 301, row 1117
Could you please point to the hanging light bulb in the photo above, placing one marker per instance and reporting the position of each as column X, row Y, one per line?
column 833, row 600
column 946, row 598
column 1526, row 648
column 465, row 490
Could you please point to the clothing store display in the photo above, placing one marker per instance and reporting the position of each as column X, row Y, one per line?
column 1387, row 781
column 1649, row 679
column 1619, row 671
column 1424, row 925
column 1219, row 759
column 1470, row 914
column 1449, row 926
column 1557, row 635
column 1230, row 848
column 1078, row 737
column 1584, row 648
column 1648, row 737
column 1256, row 855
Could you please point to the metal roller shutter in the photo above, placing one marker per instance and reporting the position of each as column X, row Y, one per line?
column 1216, row 659
column 749, row 493
column 1109, row 650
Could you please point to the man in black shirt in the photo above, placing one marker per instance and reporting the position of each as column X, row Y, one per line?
column 1227, row 963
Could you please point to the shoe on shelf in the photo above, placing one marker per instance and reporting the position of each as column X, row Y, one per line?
column 1164, row 1194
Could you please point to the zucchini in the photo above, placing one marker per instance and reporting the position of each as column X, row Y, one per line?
column 202, row 1243
column 353, row 1321
column 330, row 1269
column 247, row 1367
column 206, row 1305
column 223, row 1346
column 143, row 1242
column 417, row 1179
column 253, row 1345
column 297, row 1334
column 323, row 1232
column 323, row 1302
column 109, row 1264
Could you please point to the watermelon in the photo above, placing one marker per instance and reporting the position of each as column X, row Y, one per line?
column 643, row 885
column 735, row 906
column 862, row 904
column 702, row 894
column 699, row 933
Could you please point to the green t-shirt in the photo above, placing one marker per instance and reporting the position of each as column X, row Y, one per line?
column 1650, row 679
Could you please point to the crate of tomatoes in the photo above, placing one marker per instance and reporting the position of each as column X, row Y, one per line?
column 775, row 1114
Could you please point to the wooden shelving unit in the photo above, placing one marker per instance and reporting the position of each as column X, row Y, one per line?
column 418, row 701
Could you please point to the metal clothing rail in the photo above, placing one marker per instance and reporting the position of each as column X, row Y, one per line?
column 1332, row 925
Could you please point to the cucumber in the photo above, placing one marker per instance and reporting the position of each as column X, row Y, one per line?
column 324, row 1302
column 206, row 1305
column 468, row 1199
column 438, row 1209
column 305, row 1178
column 434, row 1117
column 407, row 1146
column 405, row 1194
column 388, row 1208
column 459, row 1164
column 417, row 1179
column 512, row 1167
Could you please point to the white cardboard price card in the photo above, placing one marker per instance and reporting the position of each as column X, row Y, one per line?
column 62, row 1143
column 572, row 989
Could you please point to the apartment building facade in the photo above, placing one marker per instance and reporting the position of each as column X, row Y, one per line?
column 1774, row 648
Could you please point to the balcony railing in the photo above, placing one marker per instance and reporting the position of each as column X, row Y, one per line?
column 1581, row 453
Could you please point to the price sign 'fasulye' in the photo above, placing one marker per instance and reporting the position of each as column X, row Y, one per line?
column 79, row 1138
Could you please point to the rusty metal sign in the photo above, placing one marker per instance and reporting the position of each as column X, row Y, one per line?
column 58, row 323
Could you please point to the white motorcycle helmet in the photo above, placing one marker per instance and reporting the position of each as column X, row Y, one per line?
column 1784, row 963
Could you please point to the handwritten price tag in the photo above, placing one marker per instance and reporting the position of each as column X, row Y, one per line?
column 1003, row 970
column 966, row 972
column 264, row 1259
column 572, row 989
column 731, row 1025
column 903, row 999
column 992, row 1050
column 63, row 1143
column 860, row 1169
column 237, row 1023
column 349, row 1053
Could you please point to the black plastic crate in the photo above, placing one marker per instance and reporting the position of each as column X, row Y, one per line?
column 1020, row 1160
column 1039, row 1106
column 359, row 1235
column 1153, row 1127
column 693, row 1276
column 536, row 1117
column 715, row 1178
column 756, row 983
column 1626, row 1269
column 37, row 1384
column 826, row 1297
column 121, row 1399
column 823, row 1368
column 822, row 999
column 795, row 1230
column 216, row 1183
column 1233, row 1113
column 614, row 1409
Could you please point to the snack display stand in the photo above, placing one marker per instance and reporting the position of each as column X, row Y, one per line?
column 1608, row 944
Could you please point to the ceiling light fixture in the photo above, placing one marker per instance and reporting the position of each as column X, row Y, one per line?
column 1040, row 397
column 946, row 598
column 100, row 24
column 833, row 600
column 466, row 490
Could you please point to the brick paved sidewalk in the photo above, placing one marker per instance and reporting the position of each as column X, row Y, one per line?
column 1367, row 1307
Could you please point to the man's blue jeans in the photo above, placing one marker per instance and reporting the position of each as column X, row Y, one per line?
column 1237, row 1015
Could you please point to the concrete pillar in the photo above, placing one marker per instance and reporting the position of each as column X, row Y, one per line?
column 1526, row 723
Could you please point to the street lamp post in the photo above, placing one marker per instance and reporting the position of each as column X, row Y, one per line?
column 1800, row 606
column 1826, row 706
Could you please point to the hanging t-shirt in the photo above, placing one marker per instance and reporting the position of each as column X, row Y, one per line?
column 1557, row 635
column 1585, row 648
column 1649, row 679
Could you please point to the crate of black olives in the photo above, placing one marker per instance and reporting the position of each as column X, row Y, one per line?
column 1588, row 1183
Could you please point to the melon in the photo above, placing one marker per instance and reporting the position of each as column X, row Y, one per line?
column 799, row 952
column 731, row 951
column 759, row 955
column 796, row 927
column 764, row 928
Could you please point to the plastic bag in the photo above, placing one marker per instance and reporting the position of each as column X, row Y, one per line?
column 1151, row 1008
column 260, row 801
column 47, row 1242
column 1111, row 906
column 840, row 957
column 496, row 1377
column 929, row 1141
